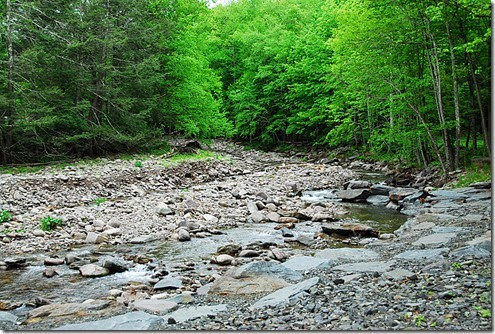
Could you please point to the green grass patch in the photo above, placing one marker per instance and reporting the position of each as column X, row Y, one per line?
column 182, row 157
column 474, row 173
column 20, row 169
column 99, row 200
column 49, row 223
column 5, row 216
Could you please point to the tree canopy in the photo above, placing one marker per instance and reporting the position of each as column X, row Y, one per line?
column 408, row 80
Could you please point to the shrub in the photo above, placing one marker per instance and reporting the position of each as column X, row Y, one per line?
column 5, row 216
column 49, row 223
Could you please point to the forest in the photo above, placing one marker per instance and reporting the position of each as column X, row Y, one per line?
column 402, row 80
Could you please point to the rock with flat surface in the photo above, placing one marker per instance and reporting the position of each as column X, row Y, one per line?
column 164, row 210
column 51, row 261
column 347, row 254
column 475, row 251
column 434, row 239
column 229, row 249
column 115, row 265
column 287, row 294
column 228, row 285
column 350, row 229
column 381, row 189
column 357, row 184
column 155, row 306
column 365, row 267
column 422, row 254
column 7, row 317
column 92, row 270
column 353, row 195
column 264, row 268
column 378, row 200
column 195, row 312
column 168, row 283
column 224, row 259
column 273, row 216
column 138, row 321
column 249, row 253
column 399, row 194
column 481, row 185
column 252, row 207
column 303, row 263
column 142, row 239
column 445, row 195
column 398, row 274
column 95, row 238
column 256, row 217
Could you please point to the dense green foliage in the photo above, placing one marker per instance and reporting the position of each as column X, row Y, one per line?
column 396, row 78
column 50, row 223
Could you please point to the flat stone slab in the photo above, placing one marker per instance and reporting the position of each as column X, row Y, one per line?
column 137, row 321
column 285, row 295
column 303, row 263
column 264, row 268
column 450, row 229
column 398, row 274
column 168, row 283
column 380, row 200
column 195, row 312
column 422, row 254
column 349, row 229
column 434, row 239
column 142, row 239
column 423, row 226
column 347, row 254
column 365, row 267
column 471, row 251
column 351, row 277
column 443, row 195
column 155, row 306
column 353, row 195
column 7, row 317
column 227, row 285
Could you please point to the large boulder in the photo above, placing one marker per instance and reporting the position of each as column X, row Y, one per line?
column 357, row 184
column 399, row 194
column 129, row 321
column 381, row 189
column 353, row 195
column 115, row 265
column 350, row 229
column 92, row 270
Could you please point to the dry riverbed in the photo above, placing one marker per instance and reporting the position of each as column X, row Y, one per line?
column 241, row 241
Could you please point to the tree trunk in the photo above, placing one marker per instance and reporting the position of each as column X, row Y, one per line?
column 9, row 116
column 456, row 98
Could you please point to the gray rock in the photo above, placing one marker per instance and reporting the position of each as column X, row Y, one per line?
column 164, row 210
column 434, row 239
column 224, row 259
column 400, row 193
column 155, row 306
column 95, row 238
column 92, row 270
column 347, row 254
column 444, row 195
column 142, row 239
column 249, row 253
column 168, row 283
column 471, row 251
column 195, row 312
column 450, row 229
column 422, row 254
column 115, row 265
column 51, row 261
column 273, row 216
column 256, row 217
column 7, row 317
column 303, row 263
column 287, row 294
column 379, row 200
column 381, row 189
column 357, row 184
column 183, row 235
column 398, row 274
column 252, row 207
column 365, row 267
column 229, row 249
column 351, row 277
column 138, row 321
column 353, row 195
column 228, row 285
column 264, row 268
column 279, row 254
column 50, row 272
column 349, row 229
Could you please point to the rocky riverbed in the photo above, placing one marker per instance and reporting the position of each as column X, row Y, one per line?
column 245, row 240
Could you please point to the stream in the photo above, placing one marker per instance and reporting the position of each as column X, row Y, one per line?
column 21, row 285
